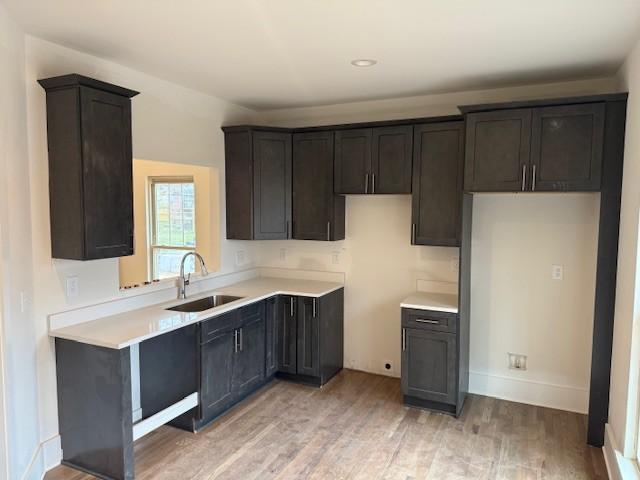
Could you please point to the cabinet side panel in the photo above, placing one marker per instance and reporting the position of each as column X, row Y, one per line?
column 239, row 185
column 606, row 272
column 331, row 310
column 464, row 296
column 94, row 408
column 65, row 174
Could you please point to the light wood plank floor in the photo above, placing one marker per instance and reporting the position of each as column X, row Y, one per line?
column 357, row 428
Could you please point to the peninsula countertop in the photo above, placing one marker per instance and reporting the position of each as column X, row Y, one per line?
column 132, row 327
column 439, row 302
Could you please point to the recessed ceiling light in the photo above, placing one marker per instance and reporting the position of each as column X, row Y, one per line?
column 363, row 62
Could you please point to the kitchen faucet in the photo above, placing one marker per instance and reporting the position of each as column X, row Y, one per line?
column 182, row 281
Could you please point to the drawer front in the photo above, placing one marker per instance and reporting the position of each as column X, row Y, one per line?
column 210, row 328
column 251, row 313
column 429, row 320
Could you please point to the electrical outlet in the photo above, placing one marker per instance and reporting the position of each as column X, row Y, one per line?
column 517, row 361
column 72, row 287
column 240, row 257
column 557, row 272
column 283, row 254
column 335, row 258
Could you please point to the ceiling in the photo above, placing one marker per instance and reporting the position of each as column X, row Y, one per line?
column 282, row 53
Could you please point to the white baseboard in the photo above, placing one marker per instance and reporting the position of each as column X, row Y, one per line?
column 562, row 397
column 47, row 455
column 52, row 452
column 618, row 467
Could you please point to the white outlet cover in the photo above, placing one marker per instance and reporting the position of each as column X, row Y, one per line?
column 240, row 257
column 72, row 287
column 557, row 272
column 335, row 258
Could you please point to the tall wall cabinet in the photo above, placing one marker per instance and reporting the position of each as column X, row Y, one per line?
column 90, row 168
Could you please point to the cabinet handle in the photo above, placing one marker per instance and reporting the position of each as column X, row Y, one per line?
column 314, row 307
column 413, row 234
column 524, row 177
column 328, row 231
column 235, row 341
column 291, row 306
column 404, row 339
column 423, row 320
column 533, row 182
column 241, row 339
column 366, row 183
column 373, row 183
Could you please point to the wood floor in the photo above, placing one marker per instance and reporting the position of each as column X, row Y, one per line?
column 357, row 428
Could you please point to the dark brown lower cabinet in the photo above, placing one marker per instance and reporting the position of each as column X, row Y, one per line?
column 308, row 340
column 271, row 336
column 431, row 361
column 311, row 337
column 232, row 359
column 216, row 383
column 287, row 333
column 297, row 338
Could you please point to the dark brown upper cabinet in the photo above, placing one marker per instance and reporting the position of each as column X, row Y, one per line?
column 566, row 147
column 554, row 148
column 438, row 161
column 373, row 160
column 90, row 168
column 497, row 150
column 318, row 213
column 258, row 183
column 352, row 161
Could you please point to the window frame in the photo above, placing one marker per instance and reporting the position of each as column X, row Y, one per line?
column 151, row 237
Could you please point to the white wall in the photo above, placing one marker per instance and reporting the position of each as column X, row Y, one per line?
column 18, row 329
column 625, row 362
column 381, row 266
column 517, row 307
column 169, row 123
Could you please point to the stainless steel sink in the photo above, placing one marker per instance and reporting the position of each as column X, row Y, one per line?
column 204, row 303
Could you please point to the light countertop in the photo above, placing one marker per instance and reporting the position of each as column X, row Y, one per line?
column 130, row 328
column 439, row 302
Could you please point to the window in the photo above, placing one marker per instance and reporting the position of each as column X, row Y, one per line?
column 173, row 229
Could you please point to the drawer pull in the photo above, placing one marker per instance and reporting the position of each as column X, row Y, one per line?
column 423, row 320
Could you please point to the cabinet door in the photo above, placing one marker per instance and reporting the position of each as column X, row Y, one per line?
column 287, row 334
column 566, row 147
column 391, row 159
column 437, row 184
column 352, row 161
column 108, row 177
column 248, row 371
column 308, row 337
column 271, row 336
column 216, row 374
column 497, row 151
column 318, row 214
column 429, row 369
column 272, row 185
